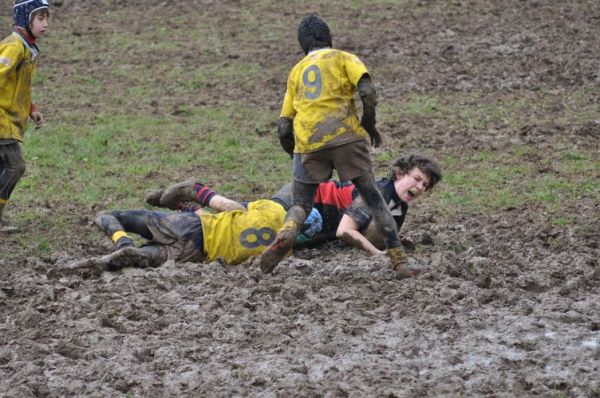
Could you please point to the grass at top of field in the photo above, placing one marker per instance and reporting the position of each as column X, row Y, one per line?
column 135, row 106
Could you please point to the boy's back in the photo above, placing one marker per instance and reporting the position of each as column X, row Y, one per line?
column 237, row 235
column 320, row 100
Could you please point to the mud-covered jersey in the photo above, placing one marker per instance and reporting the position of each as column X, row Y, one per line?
column 237, row 235
column 320, row 100
column 17, row 66
column 360, row 213
column 332, row 199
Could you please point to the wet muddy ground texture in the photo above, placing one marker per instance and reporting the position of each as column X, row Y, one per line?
column 508, row 304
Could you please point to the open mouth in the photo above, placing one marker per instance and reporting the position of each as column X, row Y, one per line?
column 412, row 193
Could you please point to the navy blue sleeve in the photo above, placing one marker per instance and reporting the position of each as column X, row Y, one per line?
column 359, row 213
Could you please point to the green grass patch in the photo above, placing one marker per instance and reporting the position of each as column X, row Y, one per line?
column 487, row 181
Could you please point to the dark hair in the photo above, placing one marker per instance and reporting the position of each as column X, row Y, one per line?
column 426, row 164
column 313, row 33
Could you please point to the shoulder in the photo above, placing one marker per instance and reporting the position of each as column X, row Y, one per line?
column 349, row 56
column 12, row 45
column 11, row 58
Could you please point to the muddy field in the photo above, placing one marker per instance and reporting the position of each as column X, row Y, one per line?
column 508, row 304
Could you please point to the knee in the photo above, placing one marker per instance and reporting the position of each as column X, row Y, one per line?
column 15, row 169
column 100, row 217
column 20, row 169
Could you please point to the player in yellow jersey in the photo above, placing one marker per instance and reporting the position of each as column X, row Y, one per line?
column 18, row 61
column 235, row 233
column 319, row 127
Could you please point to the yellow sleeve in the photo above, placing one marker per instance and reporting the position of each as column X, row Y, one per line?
column 11, row 55
column 355, row 69
column 287, row 109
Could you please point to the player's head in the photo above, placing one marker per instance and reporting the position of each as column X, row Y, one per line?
column 428, row 166
column 313, row 33
column 24, row 12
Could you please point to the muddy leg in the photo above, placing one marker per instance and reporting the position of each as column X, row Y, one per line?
column 303, row 201
column 385, row 221
column 116, row 224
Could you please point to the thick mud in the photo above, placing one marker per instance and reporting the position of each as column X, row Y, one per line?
column 508, row 303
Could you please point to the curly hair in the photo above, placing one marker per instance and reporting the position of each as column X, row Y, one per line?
column 424, row 163
column 313, row 33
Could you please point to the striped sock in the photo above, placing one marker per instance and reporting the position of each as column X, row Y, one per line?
column 204, row 194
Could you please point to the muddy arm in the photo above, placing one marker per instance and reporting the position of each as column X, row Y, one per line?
column 285, row 132
column 348, row 231
column 368, row 96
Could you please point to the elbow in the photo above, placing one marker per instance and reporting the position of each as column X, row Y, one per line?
column 367, row 92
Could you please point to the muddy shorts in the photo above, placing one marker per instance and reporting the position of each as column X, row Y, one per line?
column 179, row 234
column 349, row 160
column 284, row 196
column 12, row 167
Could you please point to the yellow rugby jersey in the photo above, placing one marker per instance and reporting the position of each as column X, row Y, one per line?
column 320, row 100
column 237, row 235
column 17, row 66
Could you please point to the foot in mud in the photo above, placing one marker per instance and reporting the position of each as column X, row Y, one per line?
column 400, row 263
column 127, row 257
column 153, row 197
column 87, row 268
column 7, row 228
column 174, row 195
column 277, row 251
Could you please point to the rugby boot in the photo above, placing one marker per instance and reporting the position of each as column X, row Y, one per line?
column 86, row 268
column 279, row 248
column 127, row 257
column 174, row 195
column 153, row 197
column 400, row 263
column 7, row 228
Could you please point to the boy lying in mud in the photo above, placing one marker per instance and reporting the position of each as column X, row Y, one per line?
column 343, row 212
column 239, row 231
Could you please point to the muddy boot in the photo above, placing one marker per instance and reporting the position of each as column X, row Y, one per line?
column 87, row 268
column 174, row 195
column 400, row 263
column 7, row 228
column 153, row 197
column 279, row 248
column 127, row 257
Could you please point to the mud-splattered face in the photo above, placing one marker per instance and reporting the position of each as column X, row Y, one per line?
column 411, row 185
